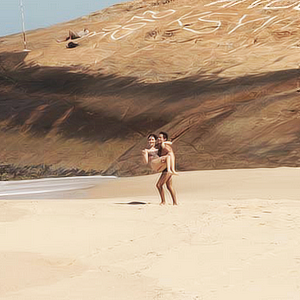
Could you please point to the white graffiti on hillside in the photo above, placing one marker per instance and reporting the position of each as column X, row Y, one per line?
column 204, row 19
column 154, row 15
column 130, row 28
column 269, row 5
column 229, row 3
column 209, row 21
column 127, row 29
column 118, row 32
column 240, row 23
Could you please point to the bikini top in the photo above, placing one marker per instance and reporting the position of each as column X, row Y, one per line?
column 152, row 153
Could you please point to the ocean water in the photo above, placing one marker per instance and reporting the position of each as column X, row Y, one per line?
column 51, row 188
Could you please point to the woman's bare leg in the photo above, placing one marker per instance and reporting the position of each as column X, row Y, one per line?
column 172, row 163
column 158, row 164
column 168, row 161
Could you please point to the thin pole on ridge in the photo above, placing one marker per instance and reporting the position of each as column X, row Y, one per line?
column 23, row 25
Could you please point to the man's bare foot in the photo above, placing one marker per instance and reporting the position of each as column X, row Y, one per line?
column 175, row 203
column 162, row 203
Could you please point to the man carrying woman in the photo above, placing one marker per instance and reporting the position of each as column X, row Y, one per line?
column 160, row 156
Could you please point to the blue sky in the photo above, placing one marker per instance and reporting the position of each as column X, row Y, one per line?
column 43, row 13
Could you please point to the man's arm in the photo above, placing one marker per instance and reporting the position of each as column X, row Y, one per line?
column 164, row 144
column 167, row 150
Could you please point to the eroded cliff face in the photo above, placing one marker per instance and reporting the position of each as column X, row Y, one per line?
column 221, row 77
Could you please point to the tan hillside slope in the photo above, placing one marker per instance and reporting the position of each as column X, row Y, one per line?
column 221, row 77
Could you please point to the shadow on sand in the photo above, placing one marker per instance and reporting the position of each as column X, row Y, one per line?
column 133, row 203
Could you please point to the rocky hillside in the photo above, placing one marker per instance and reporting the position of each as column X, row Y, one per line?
column 221, row 77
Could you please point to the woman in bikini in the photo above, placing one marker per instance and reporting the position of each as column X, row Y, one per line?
column 157, row 163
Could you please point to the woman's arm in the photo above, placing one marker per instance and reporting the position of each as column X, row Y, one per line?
column 145, row 156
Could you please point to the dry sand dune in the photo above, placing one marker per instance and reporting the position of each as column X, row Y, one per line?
column 220, row 76
column 234, row 235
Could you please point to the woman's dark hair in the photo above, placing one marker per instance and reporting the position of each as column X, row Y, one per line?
column 152, row 134
column 165, row 135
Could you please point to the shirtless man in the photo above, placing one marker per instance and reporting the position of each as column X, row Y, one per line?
column 165, row 177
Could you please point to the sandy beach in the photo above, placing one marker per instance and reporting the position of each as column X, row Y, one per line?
column 234, row 235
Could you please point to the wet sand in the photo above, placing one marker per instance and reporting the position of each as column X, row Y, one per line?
column 234, row 235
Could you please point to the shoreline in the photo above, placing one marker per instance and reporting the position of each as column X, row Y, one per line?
column 58, row 187
column 262, row 183
column 233, row 183
column 11, row 172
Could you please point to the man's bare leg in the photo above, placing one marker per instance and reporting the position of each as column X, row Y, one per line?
column 169, row 184
column 164, row 177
